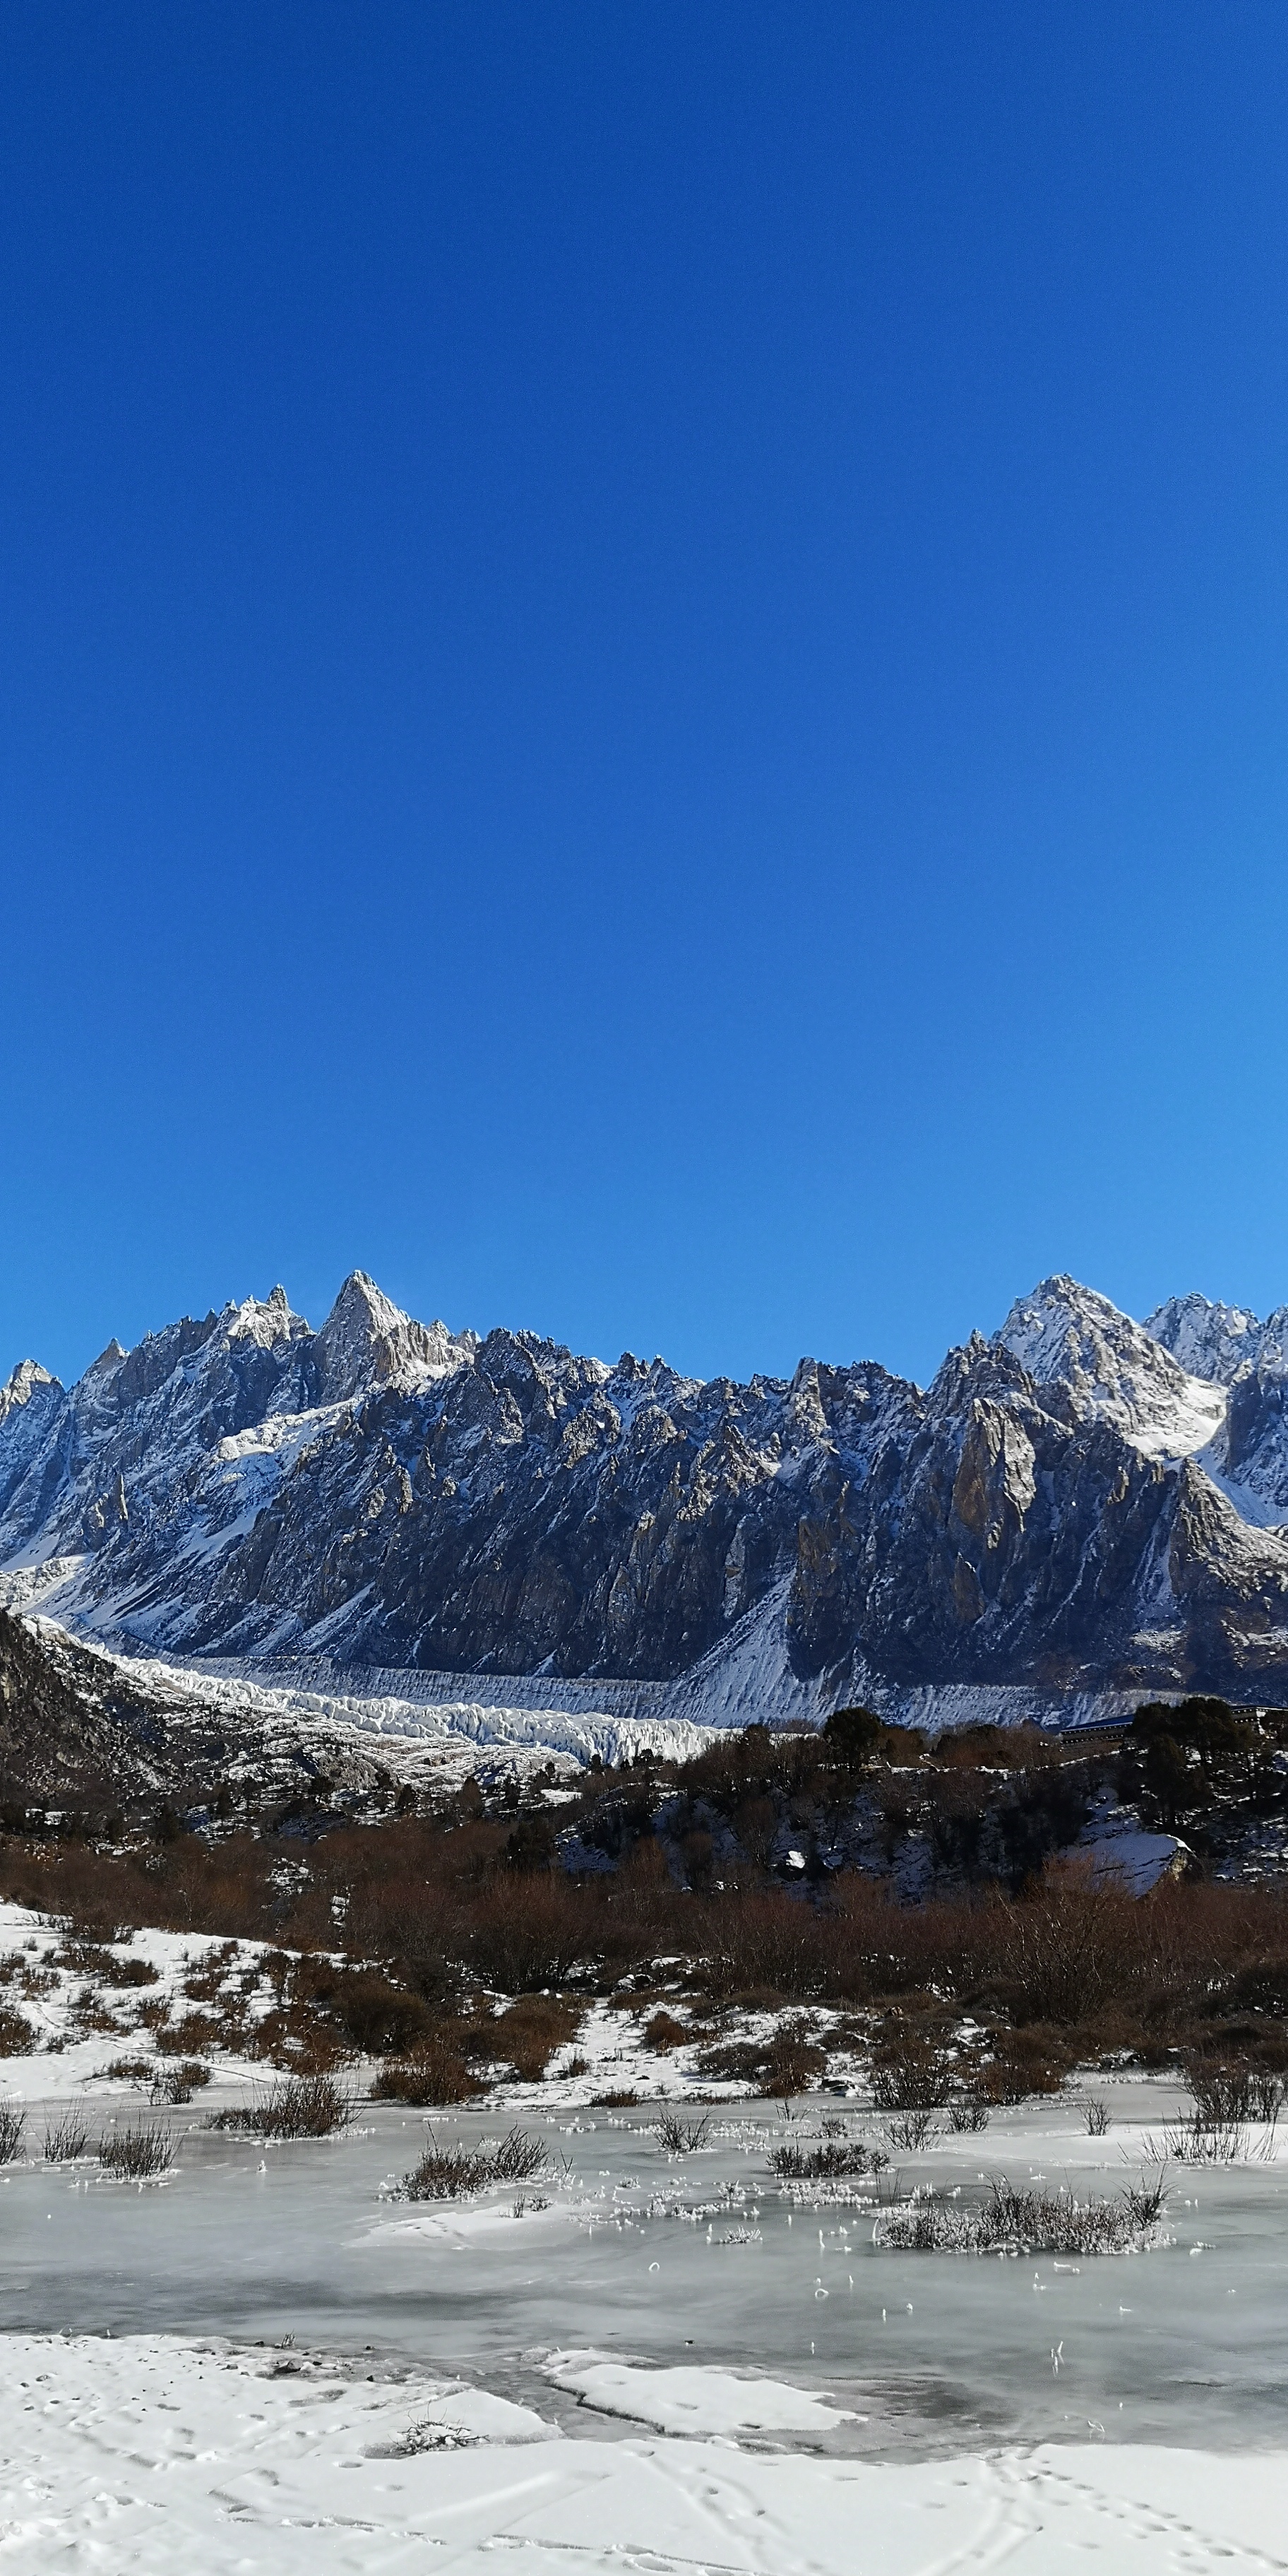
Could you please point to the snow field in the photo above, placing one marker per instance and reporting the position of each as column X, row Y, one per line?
column 161, row 2455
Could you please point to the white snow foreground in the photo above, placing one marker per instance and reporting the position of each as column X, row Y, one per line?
column 163, row 2456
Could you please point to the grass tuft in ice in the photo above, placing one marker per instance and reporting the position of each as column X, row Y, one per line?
column 681, row 2137
column 66, row 2138
column 1195, row 2140
column 826, row 2162
column 452, row 2173
column 136, row 2155
column 1017, row 2221
column 12, row 2124
column 302, row 2106
column 968, row 2114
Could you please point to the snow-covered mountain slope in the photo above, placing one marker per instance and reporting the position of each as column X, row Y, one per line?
column 1068, row 1516
column 1115, row 1370
column 1209, row 1340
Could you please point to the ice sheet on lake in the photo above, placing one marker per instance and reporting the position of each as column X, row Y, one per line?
column 690, row 2400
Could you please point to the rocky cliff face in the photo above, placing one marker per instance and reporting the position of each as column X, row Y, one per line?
column 1071, row 1506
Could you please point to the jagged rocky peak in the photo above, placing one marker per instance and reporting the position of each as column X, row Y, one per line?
column 1116, row 1371
column 32, row 1404
column 368, row 1341
column 27, row 1380
column 266, row 1321
column 1209, row 1339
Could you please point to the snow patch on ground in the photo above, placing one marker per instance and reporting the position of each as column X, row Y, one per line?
column 154, row 2453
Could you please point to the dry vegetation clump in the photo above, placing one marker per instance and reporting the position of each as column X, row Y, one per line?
column 449, row 2173
column 531, row 2031
column 786, row 2062
column 12, row 2124
column 436, row 2075
column 1017, row 2221
column 303, row 2106
column 830, row 2161
column 177, row 2084
column 375, row 2016
column 663, row 2032
column 66, row 2138
column 196, row 2030
column 1227, row 2090
column 909, row 2073
column 681, row 2137
column 911, row 2131
column 17, row 2038
column 136, row 2154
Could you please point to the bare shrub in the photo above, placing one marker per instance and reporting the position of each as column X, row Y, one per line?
column 66, row 2138
column 1025, row 2062
column 681, row 2137
column 450, row 2173
column 129, row 2070
column 1147, row 2201
column 1097, row 2119
column 136, row 2154
column 664, row 2033
column 179, row 2083
column 12, row 2124
column 17, row 2038
column 1013, row 2220
column 436, row 2075
column 968, row 2113
column 735, row 2061
column 827, row 2162
column 303, row 2106
column 1226, row 2092
column 1063, row 1946
column 530, row 2031
column 615, row 2101
column 911, row 2131
column 1193, row 2140
column 196, row 2030
column 795, row 2061
column 377, row 2017
column 908, row 2074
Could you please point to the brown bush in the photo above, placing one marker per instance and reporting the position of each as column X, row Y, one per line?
column 908, row 2072
column 381, row 2019
column 17, row 2038
column 435, row 2075
column 794, row 2061
column 1032, row 2060
column 530, row 2031
column 664, row 2033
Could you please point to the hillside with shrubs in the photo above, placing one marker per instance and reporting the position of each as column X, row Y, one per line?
column 850, row 1905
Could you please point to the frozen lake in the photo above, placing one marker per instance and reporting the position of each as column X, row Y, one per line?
column 936, row 2354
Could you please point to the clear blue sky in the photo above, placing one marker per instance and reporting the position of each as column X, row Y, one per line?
column 643, row 664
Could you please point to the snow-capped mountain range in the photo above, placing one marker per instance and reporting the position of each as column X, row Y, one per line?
column 1076, row 1512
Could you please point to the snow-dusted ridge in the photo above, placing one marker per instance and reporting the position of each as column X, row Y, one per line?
column 386, row 1514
